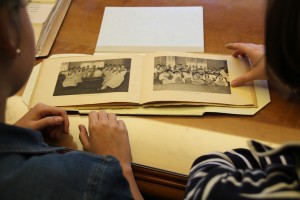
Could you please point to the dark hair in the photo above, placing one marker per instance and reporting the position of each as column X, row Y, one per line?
column 13, row 6
column 13, row 3
column 283, row 41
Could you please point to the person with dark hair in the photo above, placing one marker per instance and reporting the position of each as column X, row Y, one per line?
column 261, row 172
column 32, row 169
column 282, row 47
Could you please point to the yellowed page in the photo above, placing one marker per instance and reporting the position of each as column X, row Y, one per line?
column 38, row 13
column 39, row 10
column 203, row 78
column 46, row 17
column 43, row 1
column 86, row 80
column 173, row 144
column 37, row 29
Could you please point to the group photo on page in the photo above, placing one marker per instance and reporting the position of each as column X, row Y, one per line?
column 191, row 74
column 90, row 77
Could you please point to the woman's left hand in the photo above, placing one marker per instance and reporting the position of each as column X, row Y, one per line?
column 53, row 122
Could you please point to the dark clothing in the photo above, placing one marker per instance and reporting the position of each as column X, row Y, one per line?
column 30, row 169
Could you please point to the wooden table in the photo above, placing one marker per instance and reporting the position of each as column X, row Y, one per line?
column 225, row 21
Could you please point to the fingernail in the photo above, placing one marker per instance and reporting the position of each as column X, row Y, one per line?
column 58, row 120
column 234, row 83
column 80, row 126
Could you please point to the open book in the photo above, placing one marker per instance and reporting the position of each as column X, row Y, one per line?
column 163, row 79
column 46, row 17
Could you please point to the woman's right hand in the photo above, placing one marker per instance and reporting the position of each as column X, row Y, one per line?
column 256, row 55
column 106, row 135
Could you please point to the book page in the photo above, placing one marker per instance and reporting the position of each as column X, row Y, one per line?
column 38, row 12
column 46, row 17
column 37, row 30
column 87, row 80
column 195, row 78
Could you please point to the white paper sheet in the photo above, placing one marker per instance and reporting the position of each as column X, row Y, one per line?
column 149, row 29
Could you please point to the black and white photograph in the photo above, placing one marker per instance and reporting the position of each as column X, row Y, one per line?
column 191, row 74
column 90, row 77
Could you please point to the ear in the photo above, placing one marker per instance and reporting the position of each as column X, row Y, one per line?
column 8, row 34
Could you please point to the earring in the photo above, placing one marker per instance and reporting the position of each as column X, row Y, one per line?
column 18, row 51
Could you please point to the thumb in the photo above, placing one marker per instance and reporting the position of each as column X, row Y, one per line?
column 47, row 122
column 241, row 80
column 83, row 136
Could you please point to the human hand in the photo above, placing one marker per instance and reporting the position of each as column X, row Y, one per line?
column 106, row 136
column 256, row 55
column 53, row 122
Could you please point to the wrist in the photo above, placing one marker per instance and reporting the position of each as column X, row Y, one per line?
column 126, row 168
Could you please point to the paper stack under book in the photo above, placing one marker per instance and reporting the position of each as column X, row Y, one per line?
column 162, row 83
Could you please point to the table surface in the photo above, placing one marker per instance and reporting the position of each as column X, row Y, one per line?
column 225, row 21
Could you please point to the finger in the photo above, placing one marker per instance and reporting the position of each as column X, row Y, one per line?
column 66, row 124
column 47, row 122
column 103, row 116
column 238, row 53
column 112, row 117
column 122, row 125
column 59, row 131
column 241, row 47
column 83, row 137
column 49, row 133
column 55, row 132
column 93, row 118
column 236, row 46
column 46, row 111
column 243, row 79
column 231, row 46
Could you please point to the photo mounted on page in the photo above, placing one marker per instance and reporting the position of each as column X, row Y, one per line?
column 191, row 74
column 90, row 77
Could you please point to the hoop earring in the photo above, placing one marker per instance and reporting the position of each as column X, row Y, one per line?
column 18, row 51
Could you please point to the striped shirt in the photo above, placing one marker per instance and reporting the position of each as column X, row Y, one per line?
column 258, row 173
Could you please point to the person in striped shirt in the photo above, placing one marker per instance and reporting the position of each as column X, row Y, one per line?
column 260, row 172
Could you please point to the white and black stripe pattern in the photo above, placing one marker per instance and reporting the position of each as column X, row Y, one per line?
column 242, row 174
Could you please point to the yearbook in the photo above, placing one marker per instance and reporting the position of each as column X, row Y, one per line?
column 127, row 80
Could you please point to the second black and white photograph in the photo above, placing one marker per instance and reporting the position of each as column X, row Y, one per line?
column 191, row 74
column 90, row 77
